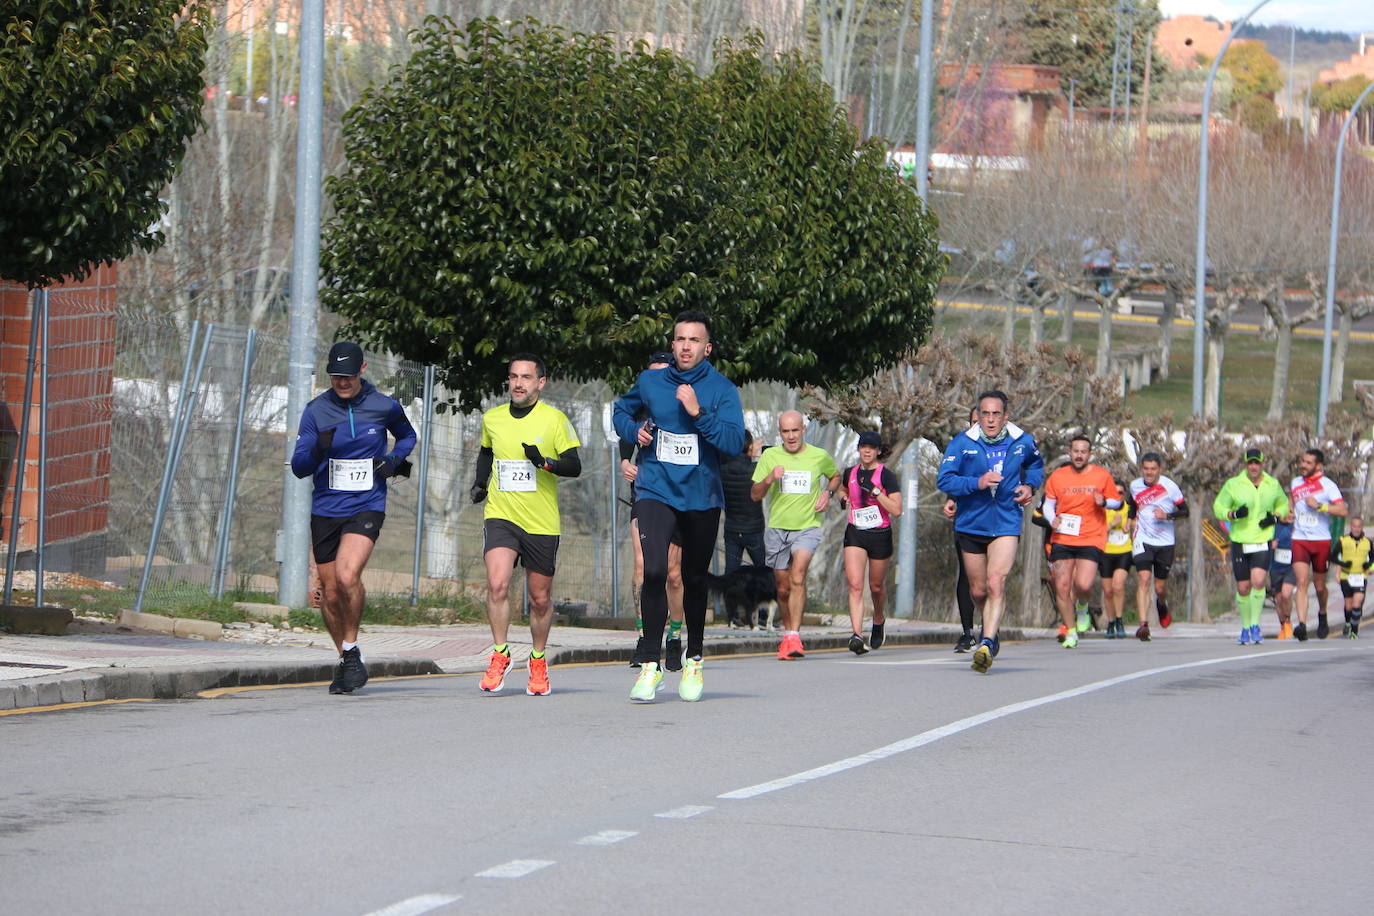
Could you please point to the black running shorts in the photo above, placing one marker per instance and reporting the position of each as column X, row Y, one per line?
column 1242, row 562
column 1159, row 559
column 1075, row 552
column 326, row 531
column 1111, row 562
column 538, row 553
column 876, row 542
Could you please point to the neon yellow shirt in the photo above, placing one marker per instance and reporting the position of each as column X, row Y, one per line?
column 792, row 500
column 516, row 491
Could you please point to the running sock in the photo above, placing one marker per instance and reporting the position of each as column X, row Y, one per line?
column 674, row 628
column 1161, row 606
column 537, row 653
column 1347, row 615
column 504, row 648
column 1257, row 606
column 1243, row 608
column 349, row 645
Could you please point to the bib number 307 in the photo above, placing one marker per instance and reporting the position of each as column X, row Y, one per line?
column 678, row 448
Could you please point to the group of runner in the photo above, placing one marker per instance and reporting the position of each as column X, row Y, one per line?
column 677, row 423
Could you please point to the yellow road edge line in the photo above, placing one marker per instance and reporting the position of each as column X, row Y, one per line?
column 81, row 705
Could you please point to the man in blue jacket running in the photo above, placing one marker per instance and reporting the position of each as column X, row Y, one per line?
column 991, row 471
column 694, row 418
column 342, row 443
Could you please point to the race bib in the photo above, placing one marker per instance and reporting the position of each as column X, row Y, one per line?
column 1070, row 524
column 1283, row 555
column 350, row 474
column 1355, row 581
column 867, row 517
column 796, row 483
column 515, row 477
column 1137, row 548
column 1117, row 538
column 678, row 448
column 1253, row 548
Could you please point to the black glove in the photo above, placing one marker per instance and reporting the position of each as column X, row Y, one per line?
column 536, row 459
column 866, row 482
column 1240, row 512
column 1268, row 519
column 381, row 469
column 326, row 439
column 478, row 493
column 403, row 468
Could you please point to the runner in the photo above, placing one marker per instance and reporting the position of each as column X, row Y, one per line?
column 1282, row 579
column 1253, row 502
column 629, row 469
column 1354, row 555
column 872, row 494
column 1315, row 497
column 798, row 480
column 992, row 471
column 1076, row 499
column 694, row 419
column 342, row 444
column 1115, row 567
column 1157, row 502
column 521, row 523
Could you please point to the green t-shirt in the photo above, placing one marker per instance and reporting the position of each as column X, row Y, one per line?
column 792, row 500
column 1267, row 498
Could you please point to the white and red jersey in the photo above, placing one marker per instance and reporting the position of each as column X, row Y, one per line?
column 1165, row 494
column 1308, row 523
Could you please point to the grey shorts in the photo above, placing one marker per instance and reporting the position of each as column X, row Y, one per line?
column 779, row 544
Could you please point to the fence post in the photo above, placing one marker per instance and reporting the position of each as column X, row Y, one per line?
column 21, row 457
column 186, row 405
column 42, row 460
column 231, row 492
column 426, row 429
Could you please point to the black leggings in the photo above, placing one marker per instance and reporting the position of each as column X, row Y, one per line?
column 962, row 593
column 696, row 531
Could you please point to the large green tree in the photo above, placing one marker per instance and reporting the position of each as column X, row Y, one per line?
column 98, row 99
column 517, row 188
column 1081, row 40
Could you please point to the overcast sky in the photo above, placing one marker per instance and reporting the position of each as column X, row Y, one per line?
column 1338, row 15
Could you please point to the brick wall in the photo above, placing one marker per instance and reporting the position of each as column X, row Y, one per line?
column 81, row 318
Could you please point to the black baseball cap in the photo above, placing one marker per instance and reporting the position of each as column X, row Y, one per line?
column 662, row 356
column 1253, row 454
column 345, row 358
column 869, row 437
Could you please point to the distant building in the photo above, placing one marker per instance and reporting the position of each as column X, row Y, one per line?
column 1361, row 63
column 1181, row 39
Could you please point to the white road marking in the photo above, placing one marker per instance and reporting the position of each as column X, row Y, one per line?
column 953, row 728
column 515, row 868
column 416, row 905
column 685, row 811
column 606, row 837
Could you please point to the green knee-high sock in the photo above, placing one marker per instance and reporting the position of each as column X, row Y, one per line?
column 1243, row 608
column 1256, row 606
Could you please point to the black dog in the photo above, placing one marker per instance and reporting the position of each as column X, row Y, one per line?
column 745, row 591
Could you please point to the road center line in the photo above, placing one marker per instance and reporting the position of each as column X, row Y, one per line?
column 416, row 905
column 515, row 868
column 953, row 728
column 685, row 811
column 606, row 837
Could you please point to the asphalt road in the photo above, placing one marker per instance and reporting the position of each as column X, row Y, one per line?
column 1184, row 775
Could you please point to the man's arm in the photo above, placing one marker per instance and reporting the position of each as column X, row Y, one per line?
column 482, row 477
column 311, row 446
column 623, row 413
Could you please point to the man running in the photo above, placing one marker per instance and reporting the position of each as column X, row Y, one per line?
column 1077, row 496
column 798, row 480
column 1156, row 502
column 1354, row 555
column 991, row 471
column 1252, row 502
column 342, row 444
column 694, row 419
column 526, row 445
column 1315, row 499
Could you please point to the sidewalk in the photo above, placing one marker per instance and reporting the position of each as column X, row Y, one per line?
column 100, row 660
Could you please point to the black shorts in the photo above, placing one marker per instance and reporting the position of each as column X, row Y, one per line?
column 1349, row 592
column 1279, row 574
column 1075, row 552
column 1242, row 562
column 876, row 542
column 327, row 530
column 1111, row 562
column 1159, row 559
column 973, row 543
column 538, row 553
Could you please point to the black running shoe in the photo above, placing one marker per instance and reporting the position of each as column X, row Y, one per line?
column 1300, row 632
column 965, row 642
column 1323, row 628
column 856, row 644
column 875, row 637
column 337, row 685
column 1165, row 618
column 352, row 671
column 672, row 655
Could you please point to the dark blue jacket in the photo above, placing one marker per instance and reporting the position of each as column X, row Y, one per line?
column 719, row 429
column 992, row 512
column 360, row 426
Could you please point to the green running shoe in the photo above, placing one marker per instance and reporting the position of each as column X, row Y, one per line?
column 689, row 688
column 1071, row 640
column 1085, row 621
column 646, row 687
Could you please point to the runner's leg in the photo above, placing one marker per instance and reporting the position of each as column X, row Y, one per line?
column 855, row 559
column 541, row 608
column 1001, row 556
column 657, row 522
column 698, row 531
column 500, row 563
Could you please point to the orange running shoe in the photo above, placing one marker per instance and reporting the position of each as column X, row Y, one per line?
column 785, row 648
column 797, row 650
column 495, row 678
column 538, row 685
column 1286, row 631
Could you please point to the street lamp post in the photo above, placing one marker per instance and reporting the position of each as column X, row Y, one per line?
column 1324, row 392
column 1200, row 266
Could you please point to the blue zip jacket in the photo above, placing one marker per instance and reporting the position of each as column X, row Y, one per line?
column 719, row 429
column 360, row 426
column 992, row 512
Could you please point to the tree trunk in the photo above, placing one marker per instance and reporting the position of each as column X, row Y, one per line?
column 1009, row 323
column 1065, row 317
column 1104, row 337
column 1211, row 389
column 1037, row 323
column 1032, row 564
column 1166, row 331
column 1197, row 563
column 1338, row 355
column 1283, row 362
